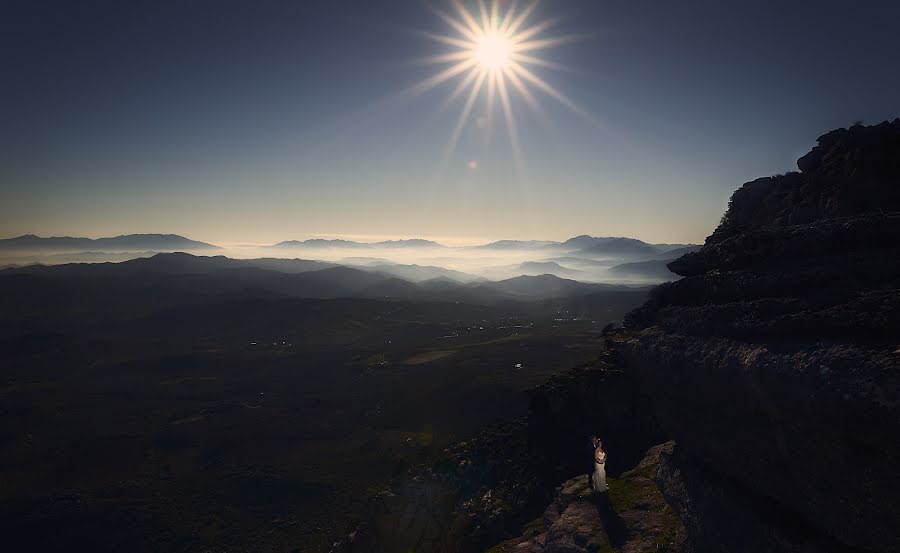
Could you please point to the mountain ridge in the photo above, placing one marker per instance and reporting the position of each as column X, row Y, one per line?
column 316, row 279
column 164, row 242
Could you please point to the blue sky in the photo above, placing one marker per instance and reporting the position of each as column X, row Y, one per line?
column 259, row 121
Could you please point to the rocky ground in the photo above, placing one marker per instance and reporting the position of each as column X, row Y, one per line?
column 632, row 517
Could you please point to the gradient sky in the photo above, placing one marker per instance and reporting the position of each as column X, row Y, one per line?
column 263, row 120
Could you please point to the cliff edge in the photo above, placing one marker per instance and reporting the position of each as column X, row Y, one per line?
column 774, row 364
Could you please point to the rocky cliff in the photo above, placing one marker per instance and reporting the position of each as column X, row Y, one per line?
column 774, row 365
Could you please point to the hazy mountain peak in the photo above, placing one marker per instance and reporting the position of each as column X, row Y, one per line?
column 342, row 243
column 518, row 244
column 410, row 242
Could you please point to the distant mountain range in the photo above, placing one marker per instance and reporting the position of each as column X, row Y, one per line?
column 340, row 243
column 588, row 246
column 584, row 244
column 127, row 242
column 587, row 259
column 301, row 278
column 591, row 246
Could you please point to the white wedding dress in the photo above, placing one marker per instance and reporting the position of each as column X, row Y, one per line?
column 599, row 476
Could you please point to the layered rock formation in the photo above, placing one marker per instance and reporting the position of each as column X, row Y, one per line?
column 775, row 363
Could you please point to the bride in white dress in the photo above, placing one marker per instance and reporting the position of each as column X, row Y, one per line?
column 599, row 476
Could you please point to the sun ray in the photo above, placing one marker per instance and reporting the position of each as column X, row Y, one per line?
column 445, row 75
column 485, row 18
column 522, row 36
column 445, row 58
column 476, row 72
column 492, row 55
column 495, row 14
column 532, row 60
column 460, row 28
column 523, row 90
column 468, row 19
column 464, row 115
column 547, row 42
column 515, row 24
column 451, row 41
column 543, row 85
column 491, row 94
column 511, row 127
column 557, row 95
column 532, row 102
column 507, row 18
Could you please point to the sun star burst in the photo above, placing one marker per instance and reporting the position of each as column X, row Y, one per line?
column 492, row 51
column 495, row 52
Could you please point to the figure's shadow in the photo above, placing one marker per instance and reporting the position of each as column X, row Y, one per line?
column 612, row 523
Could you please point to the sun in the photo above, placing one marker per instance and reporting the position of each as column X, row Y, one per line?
column 496, row 53
column 492, row 51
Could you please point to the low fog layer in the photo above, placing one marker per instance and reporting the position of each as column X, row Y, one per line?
column 613, row 260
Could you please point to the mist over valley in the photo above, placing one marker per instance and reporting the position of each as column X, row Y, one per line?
column 582, row 258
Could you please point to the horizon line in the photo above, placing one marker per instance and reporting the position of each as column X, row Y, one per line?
column 364, row 239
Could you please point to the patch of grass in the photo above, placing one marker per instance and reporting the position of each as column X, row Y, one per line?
column 669, row 530
column 648, row 472
column 626, row 493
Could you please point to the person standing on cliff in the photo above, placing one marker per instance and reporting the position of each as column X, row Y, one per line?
column 592, row 447
column 598, row 478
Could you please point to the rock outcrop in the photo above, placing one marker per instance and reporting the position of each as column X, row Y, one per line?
column 775, row 363
column 633, row 517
